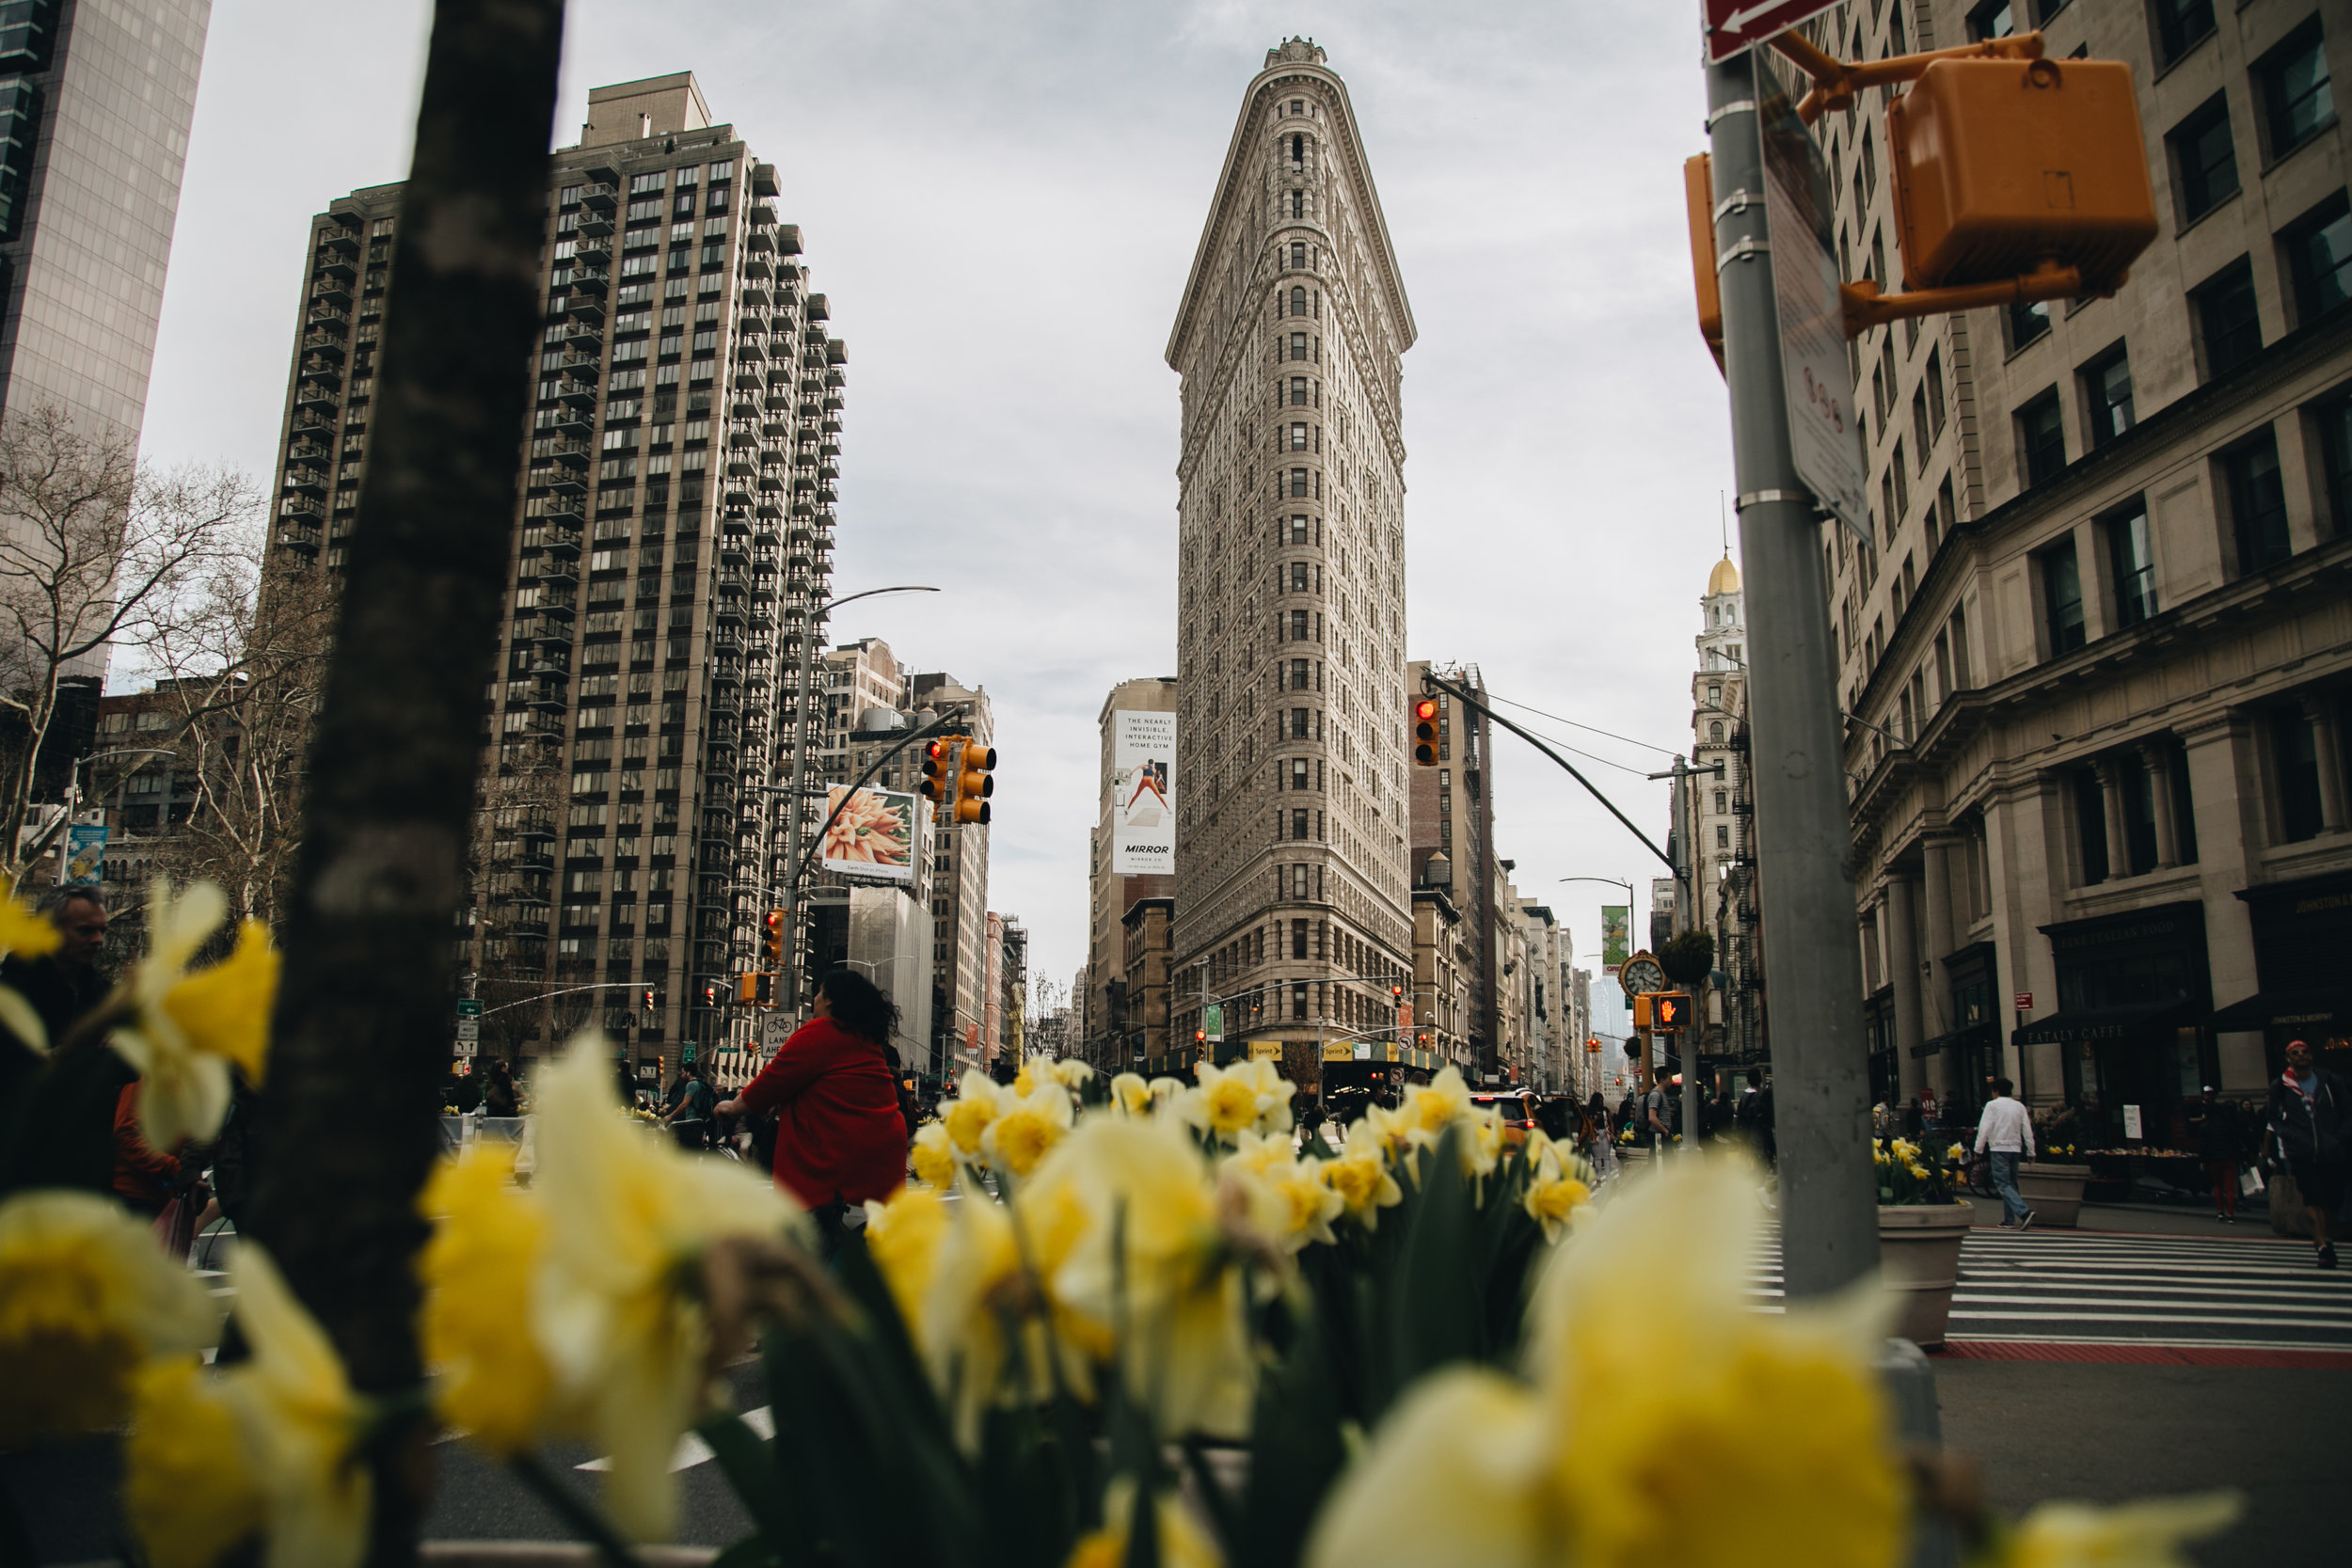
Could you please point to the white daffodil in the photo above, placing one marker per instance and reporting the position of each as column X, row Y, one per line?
column 627, row 1212
column 190, row 1027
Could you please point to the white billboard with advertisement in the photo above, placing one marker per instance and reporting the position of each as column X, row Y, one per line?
column 1143, row 811
column 874, row 835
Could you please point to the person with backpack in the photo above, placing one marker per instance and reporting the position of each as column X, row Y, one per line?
column 1753, row 1115
column 841, row 1138
column 689, row 1118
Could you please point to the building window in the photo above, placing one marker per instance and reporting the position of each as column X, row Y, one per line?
column 1723, row 838
column 2041, row 439
column 2133, row 562
column 2258, row 504
column 2091, row 824
column 1299, row 204
column 2182, row 24
column 2026, row 323
column 1299, row 939
column 1299, row 1000
column 2204, row 160
column 2107, row 396
column 1298, row 302
column 2062, row 597
column 1299, row 345
column 2298, row 103
column 1723, row 801
column 1298, row 438
column 1298, row 391
column 2319, row 259
column 2335, row 447
column 2228, row 327
column 2296, row 752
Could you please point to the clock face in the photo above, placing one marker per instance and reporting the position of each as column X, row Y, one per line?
column 1641, row 972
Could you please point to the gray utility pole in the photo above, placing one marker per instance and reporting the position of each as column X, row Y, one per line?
column 788, row 992
column 1828, row 1194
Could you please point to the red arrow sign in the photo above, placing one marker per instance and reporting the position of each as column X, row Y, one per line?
column 1734, row 24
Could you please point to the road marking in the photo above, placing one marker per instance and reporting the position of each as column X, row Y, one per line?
column 691, row 1450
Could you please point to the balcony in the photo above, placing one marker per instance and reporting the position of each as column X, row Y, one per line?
column 572, row 389
column 569, row 485
column 572, row 422
column 576, row 362
column 334, row 263
column 557, row 570
column 316, row 393
column 330, row 317
column 568, row 450
column 563, row 543
column 586, row 335
column 600, row 195
column 331, row 290
column 322, row 342
column 344, row 242
column 589, row 278
column 594, row 222
column 304, row 508
column 311, row 418
column 300, row 536
column 306, row 482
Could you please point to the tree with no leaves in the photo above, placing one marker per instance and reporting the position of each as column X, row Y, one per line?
column 93, row 547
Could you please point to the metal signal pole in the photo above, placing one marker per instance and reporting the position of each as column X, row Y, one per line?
column 1828, row 1197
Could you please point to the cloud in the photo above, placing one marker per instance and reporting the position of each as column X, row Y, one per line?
column 1001, row 202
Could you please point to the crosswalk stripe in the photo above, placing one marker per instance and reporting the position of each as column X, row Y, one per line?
column 691, row 1450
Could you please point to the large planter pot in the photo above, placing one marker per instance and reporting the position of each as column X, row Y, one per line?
column 2054, row 1193
column 1919, row 1263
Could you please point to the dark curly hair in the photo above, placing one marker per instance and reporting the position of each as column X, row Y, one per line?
column 860, row 1006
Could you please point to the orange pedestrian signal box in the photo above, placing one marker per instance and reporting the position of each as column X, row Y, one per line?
column 2001, row 165
column 1669, row 1012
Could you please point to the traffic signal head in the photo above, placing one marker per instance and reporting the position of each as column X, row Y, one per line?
column 747, row 988
column 649, row 1003
column 1425, row 732
column 710, row 993
column 1644, row 1008
column 937, row 755
column 975, row 783
column 775, row 936
column 1669, row 1012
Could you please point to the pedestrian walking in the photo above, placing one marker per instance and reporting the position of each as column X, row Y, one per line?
column 1931, row 1112
column 2220, row 1144
column 499, row 1095
column 2309, row 1130
column 690, row 1119
column 2005, row 1132
column 1657, row 1109
column 1754, row 1116
column 841, row 1137
column 73, row 1144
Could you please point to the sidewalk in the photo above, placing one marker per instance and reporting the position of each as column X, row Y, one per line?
column 2148, row 1219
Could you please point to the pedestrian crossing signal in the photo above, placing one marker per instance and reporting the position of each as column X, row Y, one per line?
column 1669, row 1012
column 1425, row 747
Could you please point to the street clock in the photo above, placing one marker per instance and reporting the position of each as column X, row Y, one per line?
column 1639, row 974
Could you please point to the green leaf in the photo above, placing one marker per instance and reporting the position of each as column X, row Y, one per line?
column 1297, row 1454
column 1435, row 1318
column 752, row 1551
column 749, row 1468
column 1213, row 1497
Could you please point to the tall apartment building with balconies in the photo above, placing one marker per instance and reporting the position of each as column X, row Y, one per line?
column 672, row 544
column 2098, row 646
column 1292, row 906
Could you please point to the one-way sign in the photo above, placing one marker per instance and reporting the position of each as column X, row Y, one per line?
column 1734, row 24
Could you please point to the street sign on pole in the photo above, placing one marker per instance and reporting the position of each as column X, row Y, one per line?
column 1817, row 380
column 468, row 1030
column 1734, row 24
column 2024, row 1002
column 467, row 1048
column 469, row 1007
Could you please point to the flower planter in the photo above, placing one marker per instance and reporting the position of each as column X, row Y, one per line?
column 1919, row 1263
column 2054, row 1193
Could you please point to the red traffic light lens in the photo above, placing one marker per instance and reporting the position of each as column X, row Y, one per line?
column 1425, row 708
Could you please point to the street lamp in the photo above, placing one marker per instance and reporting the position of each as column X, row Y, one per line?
column 791, row 890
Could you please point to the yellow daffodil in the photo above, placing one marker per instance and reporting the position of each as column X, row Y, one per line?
column 903, row 1237
column 1286, row 1200
column 2133, row 1535
column 1164, row 1092
column 933, row 1155
column 1255, row 1151
column 1242, row 1098
column 628, row 1212
column 1644, row 1314
column 270, row 1442
column 1031, row 1069
column 1459, row 1476
column 1071, row 1073
column 1186, row 1352
column 188, row 1489
column 978, row 1100
column 975, row 1299
column 1182, row 1541
column 1361, row 1176
column 488, row 1241
column 1560, row 1183
column 1025, row 1126
column 86, row 1296
column 190, row 1027
column 1130, row 1095
column 26, row 935
column 1643, row 1323
column 1442, row 1104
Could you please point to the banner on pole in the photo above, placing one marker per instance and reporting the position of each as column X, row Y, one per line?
column 1616, row 921
column 1817, row 380
column 85, row 854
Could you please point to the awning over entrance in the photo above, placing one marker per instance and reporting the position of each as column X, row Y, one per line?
column 2107, row 1024
column 2325, row 1009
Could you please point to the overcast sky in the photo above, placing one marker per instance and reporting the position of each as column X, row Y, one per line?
column 1001, row 201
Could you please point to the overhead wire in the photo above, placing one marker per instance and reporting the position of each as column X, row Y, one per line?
column 1572, row 723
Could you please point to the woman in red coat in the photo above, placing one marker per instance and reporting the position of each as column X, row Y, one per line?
column 835, row 1087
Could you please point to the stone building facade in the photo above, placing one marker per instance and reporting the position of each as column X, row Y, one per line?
column 2099, row 648
column 1292, row 865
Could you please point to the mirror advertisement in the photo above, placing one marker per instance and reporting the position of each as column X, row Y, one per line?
column 1143, row 809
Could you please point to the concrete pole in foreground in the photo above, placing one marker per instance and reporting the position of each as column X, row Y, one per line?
column 1828, row 1192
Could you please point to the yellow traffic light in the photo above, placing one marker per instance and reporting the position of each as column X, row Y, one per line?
column 937, row 758
column 1425, row 744
column 973, row 782
column 774, row 940
column 1644, row 1008
column 747, row 988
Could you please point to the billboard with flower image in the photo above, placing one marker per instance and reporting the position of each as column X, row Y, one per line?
column 873, row 835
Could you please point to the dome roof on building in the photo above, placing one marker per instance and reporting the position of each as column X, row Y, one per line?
column 1724, row 578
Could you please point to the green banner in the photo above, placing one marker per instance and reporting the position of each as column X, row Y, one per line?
column 1615, row 919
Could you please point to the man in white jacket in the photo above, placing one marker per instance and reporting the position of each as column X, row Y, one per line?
column 2005, row 1132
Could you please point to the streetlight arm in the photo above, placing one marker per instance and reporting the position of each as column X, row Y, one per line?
column 817, row 840
column 1459, row 695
